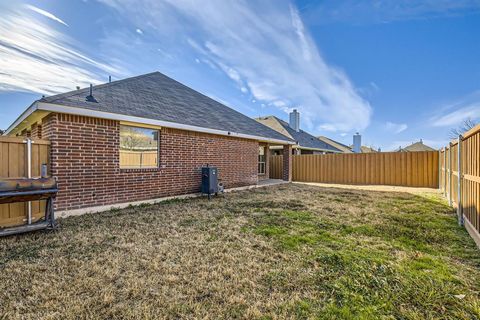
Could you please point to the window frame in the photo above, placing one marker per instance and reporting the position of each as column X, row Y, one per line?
column 141, row 168
column 264, row 162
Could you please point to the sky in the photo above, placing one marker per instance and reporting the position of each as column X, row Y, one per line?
column 395, row 71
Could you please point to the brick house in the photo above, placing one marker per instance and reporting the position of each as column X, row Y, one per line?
column 143, row 138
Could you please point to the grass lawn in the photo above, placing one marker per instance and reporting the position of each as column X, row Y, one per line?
column 288, row 251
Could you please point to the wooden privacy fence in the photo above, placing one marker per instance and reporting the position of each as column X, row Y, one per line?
column 14, row 163
column 460, row 179
column 140, row 159
column 412, row 169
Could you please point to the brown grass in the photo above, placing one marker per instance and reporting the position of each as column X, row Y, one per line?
column 288, row 251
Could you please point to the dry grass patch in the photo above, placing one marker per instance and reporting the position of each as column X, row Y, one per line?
column 288, row 251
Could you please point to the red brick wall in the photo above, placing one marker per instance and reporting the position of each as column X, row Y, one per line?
column 287, row 163
column 36, row 131
column 85, row 159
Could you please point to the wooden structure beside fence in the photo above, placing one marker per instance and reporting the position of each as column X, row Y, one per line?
column 411, row 169
column 14, row 164
column 460, row 179
column 276, row 167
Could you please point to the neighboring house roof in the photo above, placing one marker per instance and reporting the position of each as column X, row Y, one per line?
column 158, row 97
column 347, row 149
column 340, row 146
column 303, row 139
column 366, row 149
column 417, row 146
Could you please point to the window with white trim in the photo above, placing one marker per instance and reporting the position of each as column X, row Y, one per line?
column 261, row 160
column 138, row 147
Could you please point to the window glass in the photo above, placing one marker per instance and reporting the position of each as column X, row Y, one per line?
column 261, row 160
column 138, row 147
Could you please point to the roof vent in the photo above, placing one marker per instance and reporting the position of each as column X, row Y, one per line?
column 90, row 97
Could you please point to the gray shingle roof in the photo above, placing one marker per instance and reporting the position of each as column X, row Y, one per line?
column 156, row 96
column 414, row 147
column 342, row 147
column 303, row 139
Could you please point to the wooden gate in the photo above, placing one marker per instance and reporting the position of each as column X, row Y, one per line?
column 276, row 167
column 14, row 164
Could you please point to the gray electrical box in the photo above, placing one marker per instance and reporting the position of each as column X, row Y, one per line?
column 209, row 180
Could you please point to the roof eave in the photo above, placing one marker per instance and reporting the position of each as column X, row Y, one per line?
column 52, row 107
column 25, row 114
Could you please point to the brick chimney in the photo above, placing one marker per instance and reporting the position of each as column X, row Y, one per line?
column 295, row 120
column 357, row 143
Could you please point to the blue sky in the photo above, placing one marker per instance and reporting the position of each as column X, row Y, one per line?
column 396, row 71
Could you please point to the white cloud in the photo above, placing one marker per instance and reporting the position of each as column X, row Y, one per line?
column 280, row 104
column 231, row 73
column 455, row 113
column 46, row 14
column 139, row 31
column 456, row 117
column 374, row 86
column 214, row 67
column 369, row 90
column 396, row 127
column 36, row 58
column 328, row 127
column 262, row 47
column 165, row 54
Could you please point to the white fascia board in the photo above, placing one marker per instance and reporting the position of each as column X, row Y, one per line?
column 120, row 117
column 33, row 107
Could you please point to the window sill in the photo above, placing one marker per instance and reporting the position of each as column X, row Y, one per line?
column 145, row 169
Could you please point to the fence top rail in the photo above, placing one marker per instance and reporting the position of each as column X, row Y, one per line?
column 359, row 154
column 472, row 131
column 454, row 142
column 467, row 134
column 22, row 140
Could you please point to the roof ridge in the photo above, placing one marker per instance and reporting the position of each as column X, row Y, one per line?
column 269, row 116
column 334, row 141
column 98, row 86
column 210, row 98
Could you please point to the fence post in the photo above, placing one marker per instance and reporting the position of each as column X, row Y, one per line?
column 459, row 190
column 450, row 174
column 29, row 175
column 445, row 171
column 439, row 168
